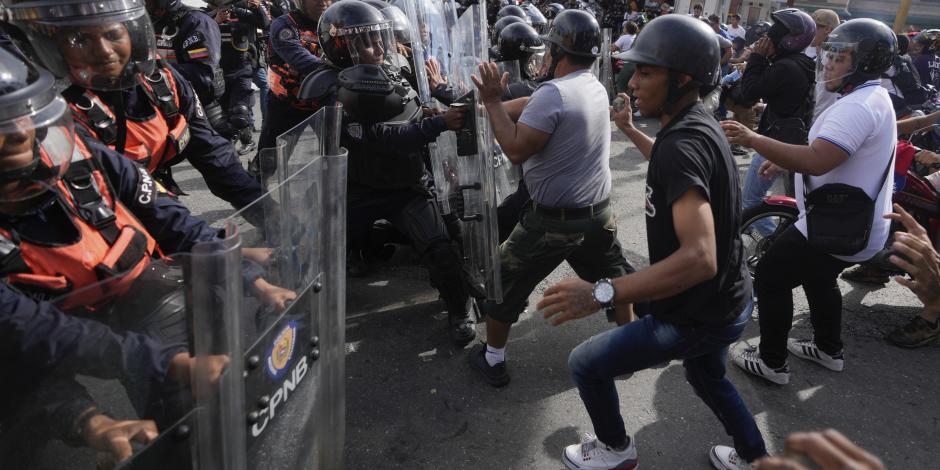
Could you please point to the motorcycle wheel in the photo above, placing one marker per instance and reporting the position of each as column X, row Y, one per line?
column 756, row 241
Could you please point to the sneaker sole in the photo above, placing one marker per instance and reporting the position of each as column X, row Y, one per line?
column 573, row 466
column 714, row 459
column 834, row 368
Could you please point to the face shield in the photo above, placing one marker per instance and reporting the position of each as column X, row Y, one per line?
column 36, row 134
column 370, row 44
column 100, row 45
column 835, row 62
column 533, row 65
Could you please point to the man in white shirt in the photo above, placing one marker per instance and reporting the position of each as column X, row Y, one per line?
column 735, row 29
column 851, row 143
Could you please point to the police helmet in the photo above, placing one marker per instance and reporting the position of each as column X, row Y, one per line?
column 793, row 30
column 553, row 9
column 575, row 32
column 929, row 40
column 158, row 8
column 400, row 24
column 513, row 10
column 35, row 129
column 871, row 46
column 97, row 44
column 353, row 32
column 536, row 18
column 520, row 42
column 504, row 22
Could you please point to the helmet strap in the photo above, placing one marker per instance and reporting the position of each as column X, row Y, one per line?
column 676, row 92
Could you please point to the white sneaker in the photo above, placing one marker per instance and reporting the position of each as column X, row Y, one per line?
column 749, row 360
column 592, row 454
column 806, row 349
column 726, row 458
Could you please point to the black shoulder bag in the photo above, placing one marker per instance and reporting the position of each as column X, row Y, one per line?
column 839, row 216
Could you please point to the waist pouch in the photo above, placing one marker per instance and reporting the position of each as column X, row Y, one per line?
column 839, row 216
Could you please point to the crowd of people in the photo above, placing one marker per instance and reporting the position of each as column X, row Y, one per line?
column 98, row 101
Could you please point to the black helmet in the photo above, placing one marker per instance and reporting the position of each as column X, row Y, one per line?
column 664, row 43
column 351, row 32
column 755, row 32
column 400, row 23
column 553, row 9
column 872, row 46
column 36, row 129
column 797, row 29
column 536, row 18
column 929, row 38
column 513, row 10
column 520, row 42
column 575, row 32
column 82, row 40
column 158, row 8
column 503, row 22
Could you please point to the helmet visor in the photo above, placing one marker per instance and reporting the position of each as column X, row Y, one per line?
column 834, row 62
column 533, row 65
column 35, row 151
column 371, row 44
column 98, row 51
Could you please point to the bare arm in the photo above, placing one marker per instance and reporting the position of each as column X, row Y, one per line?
column 518, row 141
column 914, row 124
column 815, row 159
column 514, row 107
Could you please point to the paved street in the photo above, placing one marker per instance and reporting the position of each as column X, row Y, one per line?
column 413, row 403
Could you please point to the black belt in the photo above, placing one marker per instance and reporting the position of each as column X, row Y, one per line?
column 565, row 213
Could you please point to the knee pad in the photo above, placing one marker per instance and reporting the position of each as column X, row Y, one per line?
column 217, row 119
column 239, row 117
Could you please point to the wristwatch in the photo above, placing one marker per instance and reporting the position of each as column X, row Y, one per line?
column 604, row 293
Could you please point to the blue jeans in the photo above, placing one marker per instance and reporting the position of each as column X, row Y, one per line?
column 647, row 342
column 260, row 79
column 755, row 188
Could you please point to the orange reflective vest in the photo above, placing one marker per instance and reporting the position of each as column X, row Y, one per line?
column 152, row 142
column 111, row 250
column 283, row 80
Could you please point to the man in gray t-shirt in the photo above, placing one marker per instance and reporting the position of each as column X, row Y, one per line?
column 562, row 138
column 572, row 169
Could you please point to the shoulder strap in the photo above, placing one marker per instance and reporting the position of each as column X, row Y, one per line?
column 94, row 114
column 89, row 202
column 160, row 93
column 11, row 258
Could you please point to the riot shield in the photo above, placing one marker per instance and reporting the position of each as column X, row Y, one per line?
column 512, row 68
column 606, row 68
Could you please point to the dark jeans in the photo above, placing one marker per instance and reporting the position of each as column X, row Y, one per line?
column 644, row 343
column 792, row 262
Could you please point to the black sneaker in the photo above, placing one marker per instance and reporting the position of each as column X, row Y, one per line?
column 866, row 274
column 918, row 332
column 494, row 375
column 460, row 328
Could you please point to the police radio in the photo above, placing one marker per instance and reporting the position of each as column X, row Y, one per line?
column 467, row 135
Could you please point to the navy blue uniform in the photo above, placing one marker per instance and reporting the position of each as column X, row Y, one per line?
column 209, row 153
column 239, row 56
column 190, row 40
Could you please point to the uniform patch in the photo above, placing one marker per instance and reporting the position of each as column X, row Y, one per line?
column 286, row 34
column 354, row 130
column 192, row 40
column 199, row 53
column 146, row 194
column 200, row 113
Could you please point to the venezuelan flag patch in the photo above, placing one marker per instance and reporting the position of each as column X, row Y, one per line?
column 198, row 53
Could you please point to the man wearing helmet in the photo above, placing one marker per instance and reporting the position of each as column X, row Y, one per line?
column 780, row 74
column 562, row 139
column 385, row 130
column 293, row 54
column 852, row 146
column 923, row 50
column 697, row 281
column 138, row 106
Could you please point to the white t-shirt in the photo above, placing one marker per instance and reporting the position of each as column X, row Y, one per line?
column 738, row 32
column 862, row 123
column 625, row 42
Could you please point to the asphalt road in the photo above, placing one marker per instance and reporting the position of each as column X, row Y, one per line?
column 412, row 401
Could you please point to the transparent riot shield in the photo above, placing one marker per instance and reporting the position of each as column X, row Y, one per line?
column 602, row 68
column 478, row 158
column 512, row 68
column 287, row 408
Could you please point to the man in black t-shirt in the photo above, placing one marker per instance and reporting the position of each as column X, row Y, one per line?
column 699, row 290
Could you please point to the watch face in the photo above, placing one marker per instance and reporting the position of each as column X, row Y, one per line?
column 604, row 292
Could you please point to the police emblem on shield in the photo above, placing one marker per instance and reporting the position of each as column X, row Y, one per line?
column 282, row 348
column 354, row 130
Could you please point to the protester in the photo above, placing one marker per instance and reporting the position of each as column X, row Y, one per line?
column 734, row 28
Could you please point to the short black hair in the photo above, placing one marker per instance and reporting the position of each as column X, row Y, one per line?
column 714, row 18
column 580, row 60
column 697, row 6
column 631, row 27
column 735, row 15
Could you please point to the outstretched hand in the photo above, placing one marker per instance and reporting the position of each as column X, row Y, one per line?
column 567, row 300
column 830, row 450
column 738, row 133
column 489, row 82
column 922, row 261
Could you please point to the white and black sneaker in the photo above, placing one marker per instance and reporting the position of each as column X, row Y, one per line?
column 726, row 458
column 592, row 454
column 749, row 360
column 807, row 349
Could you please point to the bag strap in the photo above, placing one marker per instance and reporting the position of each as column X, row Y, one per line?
column 884, row 175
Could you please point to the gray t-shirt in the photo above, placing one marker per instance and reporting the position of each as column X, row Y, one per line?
column 572, row 170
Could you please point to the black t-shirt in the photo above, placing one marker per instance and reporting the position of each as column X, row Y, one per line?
column 692, row 152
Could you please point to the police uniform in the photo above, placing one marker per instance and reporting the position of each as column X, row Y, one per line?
column 239, row 35
column 164, row 125
column 190, row 40
column 293, row 53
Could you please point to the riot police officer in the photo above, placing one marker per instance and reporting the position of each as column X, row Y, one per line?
column 123, row 97
column 520, row 42
column 385, row 130
column 238, row 24
column 190, row 40
column 293, row 54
